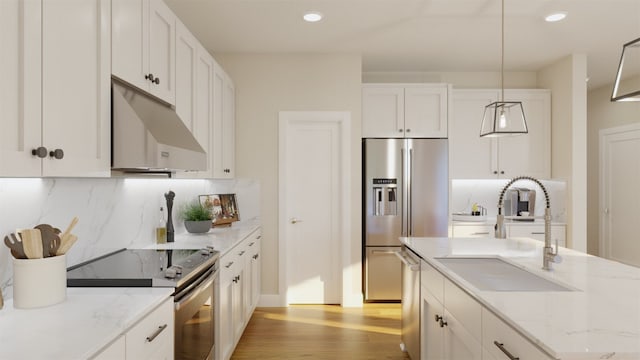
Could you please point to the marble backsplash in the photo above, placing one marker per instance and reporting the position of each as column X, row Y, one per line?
column 464, row 193
column 114, row 213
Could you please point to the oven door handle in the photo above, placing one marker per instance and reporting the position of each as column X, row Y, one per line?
column 195, row 289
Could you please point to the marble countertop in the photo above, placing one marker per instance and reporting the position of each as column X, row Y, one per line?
column 601, row 320
column 77, row 328
column 222, row 239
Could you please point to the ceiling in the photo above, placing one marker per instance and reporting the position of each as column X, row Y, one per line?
column 422, row 35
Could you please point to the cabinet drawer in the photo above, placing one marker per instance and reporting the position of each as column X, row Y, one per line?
column 472, row 231
column 149, row 337
column 464, row 308
column 495, row 330
column 537, row 232
column 432, row 280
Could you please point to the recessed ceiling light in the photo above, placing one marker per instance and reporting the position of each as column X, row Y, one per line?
column 312, row 16
column 556, row 16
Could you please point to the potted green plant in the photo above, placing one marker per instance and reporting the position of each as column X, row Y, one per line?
column 197, row 218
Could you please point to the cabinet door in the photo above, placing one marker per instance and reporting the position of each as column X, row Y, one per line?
column 223, row 125
column 76, row 87
column 238, row 301
column 458, row 342
column 228, row 128
column 225, row 326
column 186, row 54
column 162, row 30
column 382, row 112
column 425, row 111
column 254, row 277
column 20, row 96
column 431, row 334
column 471, row 157
column 129, row 43
column 529, row 154
column 203, row 129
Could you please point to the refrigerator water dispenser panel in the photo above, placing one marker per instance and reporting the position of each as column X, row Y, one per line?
column 384, row 197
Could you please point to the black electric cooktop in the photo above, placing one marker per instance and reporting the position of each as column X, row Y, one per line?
column 142, row 268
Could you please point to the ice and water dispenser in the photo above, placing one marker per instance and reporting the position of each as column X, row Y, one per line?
column 385, row 193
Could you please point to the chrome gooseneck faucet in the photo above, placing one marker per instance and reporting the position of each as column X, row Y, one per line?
column 549, row 255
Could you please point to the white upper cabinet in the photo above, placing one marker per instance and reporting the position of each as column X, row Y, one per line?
column 186, row 54
column 56, row 99
column 404, row 110
column 472, row 157
column 143, row 46
column 203, row 124
column 223, row 125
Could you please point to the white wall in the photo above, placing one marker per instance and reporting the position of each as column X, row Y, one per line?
column 267, row 84
column 566, row 78
column 602, row 114
column 113, row 213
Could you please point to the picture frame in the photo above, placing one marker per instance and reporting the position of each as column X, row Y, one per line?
column 223, row 207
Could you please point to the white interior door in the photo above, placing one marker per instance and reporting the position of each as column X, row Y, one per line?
column 620, row 176
column 311, row 215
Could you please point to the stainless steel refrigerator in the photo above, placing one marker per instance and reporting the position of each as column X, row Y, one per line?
column 405, row 193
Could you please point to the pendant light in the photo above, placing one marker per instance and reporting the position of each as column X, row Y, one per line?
column 628, row 67
column 503, row 118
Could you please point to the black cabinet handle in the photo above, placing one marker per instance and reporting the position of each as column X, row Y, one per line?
column 57, row 153
column 40, row 152
column 153, row 79
column 256, row 256
column 502, row 172
column 504, row 350
column 438, row 318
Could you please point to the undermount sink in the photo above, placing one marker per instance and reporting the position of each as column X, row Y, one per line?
column 495, row 274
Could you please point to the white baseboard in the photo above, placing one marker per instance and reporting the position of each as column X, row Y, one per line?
column 271, row 300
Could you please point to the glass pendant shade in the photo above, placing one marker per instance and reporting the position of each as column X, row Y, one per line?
column 627, row 84
column 503, row 118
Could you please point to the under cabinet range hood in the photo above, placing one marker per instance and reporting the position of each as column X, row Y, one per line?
column 148, row 135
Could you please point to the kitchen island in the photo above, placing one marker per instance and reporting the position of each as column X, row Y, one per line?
column 600, row 319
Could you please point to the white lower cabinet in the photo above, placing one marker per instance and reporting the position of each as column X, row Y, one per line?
column 483, row 230
column 536, row 231
column 150, row 338
column 239, row 293
column 455, row 326
column 451, row 328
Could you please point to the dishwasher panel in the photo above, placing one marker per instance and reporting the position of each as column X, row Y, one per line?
column 410, row 329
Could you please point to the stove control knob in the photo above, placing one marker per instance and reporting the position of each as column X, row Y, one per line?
column 170, row 273
column 178, row 269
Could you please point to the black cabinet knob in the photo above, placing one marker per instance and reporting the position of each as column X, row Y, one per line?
column 495, row 172
column 57, row 153
column 40, row 152
column 502, row 172
column 156, row 81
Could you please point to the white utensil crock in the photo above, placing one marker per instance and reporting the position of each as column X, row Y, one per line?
column 39, row 282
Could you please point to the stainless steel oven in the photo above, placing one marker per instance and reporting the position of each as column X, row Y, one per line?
column 195, row 318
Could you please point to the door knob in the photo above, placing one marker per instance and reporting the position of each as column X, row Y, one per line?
column 294, row 220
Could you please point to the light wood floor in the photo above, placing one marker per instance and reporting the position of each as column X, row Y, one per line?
column 323, row 332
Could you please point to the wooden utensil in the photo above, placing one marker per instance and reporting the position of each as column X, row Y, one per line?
column 14, row 243
column 66, row 242
column 32, row 243
column 73, row 223
column 49, row 239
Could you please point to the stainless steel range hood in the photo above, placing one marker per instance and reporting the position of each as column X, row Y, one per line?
column 148, row 136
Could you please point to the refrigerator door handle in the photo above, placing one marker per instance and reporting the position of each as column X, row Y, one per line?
column 409, row 195
column 403, row 196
